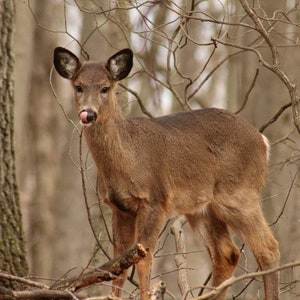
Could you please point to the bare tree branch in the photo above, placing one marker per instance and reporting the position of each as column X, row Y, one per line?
column 106, row 272
column 275, row 66
column 64, row 289
column 248, row 92
column 229, row 282
column 275, row 117
column 180, row 258
column 262, row 30
column 23, row 280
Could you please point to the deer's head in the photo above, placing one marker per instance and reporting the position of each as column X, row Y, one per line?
column 93, row 82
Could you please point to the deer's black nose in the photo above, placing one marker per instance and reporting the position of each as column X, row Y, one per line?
column 91, row 116
column 87, row 116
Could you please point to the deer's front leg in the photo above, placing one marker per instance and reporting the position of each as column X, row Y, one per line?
column 123, row 225
column 149, row 223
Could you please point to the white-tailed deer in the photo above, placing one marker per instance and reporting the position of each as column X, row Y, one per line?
column 207, row 164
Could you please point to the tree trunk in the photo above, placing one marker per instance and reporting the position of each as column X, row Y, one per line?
column 40, row 143
column 50, row 184
column 12, row 246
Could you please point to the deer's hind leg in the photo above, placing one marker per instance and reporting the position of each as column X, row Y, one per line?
column 224, row 254
column 250, row 224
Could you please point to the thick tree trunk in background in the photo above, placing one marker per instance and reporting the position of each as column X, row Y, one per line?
column 43, row 129
column 50, row 183
column 12, row 246
column 40, row 140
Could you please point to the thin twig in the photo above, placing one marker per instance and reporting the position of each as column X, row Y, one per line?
column 286, row 198
column 138, row 98
column 248, row 92
column 82, row 173
column 275, row 117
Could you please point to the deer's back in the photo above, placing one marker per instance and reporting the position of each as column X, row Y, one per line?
column 199, row 154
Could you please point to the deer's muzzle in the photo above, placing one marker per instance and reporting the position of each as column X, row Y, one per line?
column 87, row 116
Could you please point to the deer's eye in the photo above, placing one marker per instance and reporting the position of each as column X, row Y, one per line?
column 105, row 90
column 78, row 89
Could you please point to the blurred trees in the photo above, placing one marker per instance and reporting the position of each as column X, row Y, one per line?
column 268, row 97
column 188, row 54
column 48, row 181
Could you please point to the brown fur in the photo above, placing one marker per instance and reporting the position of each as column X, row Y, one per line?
column 209, row 165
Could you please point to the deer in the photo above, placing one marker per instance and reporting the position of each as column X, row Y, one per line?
column 208, row 165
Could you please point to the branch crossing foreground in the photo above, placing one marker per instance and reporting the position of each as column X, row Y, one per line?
column 66, row 289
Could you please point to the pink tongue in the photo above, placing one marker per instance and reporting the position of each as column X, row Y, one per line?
column 83, row 116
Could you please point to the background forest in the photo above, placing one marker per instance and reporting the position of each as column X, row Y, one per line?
column 239, row 55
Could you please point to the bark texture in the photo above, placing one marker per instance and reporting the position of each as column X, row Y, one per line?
column 12, row 246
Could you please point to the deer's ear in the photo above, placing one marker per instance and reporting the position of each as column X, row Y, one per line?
column 120, row 64
column 66, row 63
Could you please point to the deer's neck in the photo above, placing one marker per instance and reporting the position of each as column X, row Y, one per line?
column 109, row 144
